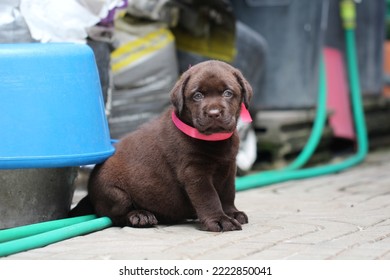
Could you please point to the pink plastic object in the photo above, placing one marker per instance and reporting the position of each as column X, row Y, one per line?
column 338, row 98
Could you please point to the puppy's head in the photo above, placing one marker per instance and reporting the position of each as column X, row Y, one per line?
column 208, row 96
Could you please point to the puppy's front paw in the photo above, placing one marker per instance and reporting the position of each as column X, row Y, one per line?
column 240, row 216
column 141, row 218
column 221, row 223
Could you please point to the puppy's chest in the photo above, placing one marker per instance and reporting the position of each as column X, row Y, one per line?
column 212, row 160
column 218, row 158
column 219, row 150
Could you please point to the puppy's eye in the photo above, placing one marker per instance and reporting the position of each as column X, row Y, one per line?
column 227, row 93
column 197, row 96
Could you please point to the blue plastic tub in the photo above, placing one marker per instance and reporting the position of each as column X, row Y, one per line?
column 51, row 107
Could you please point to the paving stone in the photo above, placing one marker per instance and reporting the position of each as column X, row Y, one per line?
column 339, row 216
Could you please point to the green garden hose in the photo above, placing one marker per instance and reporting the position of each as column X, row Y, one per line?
column 52, row 236
column 272, row 177
column 29, row 230
column 319, row 123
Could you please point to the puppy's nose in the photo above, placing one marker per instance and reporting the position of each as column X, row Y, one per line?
column 214, row 113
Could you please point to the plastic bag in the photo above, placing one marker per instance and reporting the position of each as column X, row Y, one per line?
column 63, row 21
column 144, row 68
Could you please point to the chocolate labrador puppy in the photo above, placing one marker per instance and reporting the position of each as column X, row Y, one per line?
column 183, row 164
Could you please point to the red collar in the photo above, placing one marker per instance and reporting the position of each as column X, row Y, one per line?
column 194, row 133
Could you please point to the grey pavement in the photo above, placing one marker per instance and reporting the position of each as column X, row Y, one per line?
column 338, row 216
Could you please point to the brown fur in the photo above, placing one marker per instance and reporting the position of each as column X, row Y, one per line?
column 159, row 174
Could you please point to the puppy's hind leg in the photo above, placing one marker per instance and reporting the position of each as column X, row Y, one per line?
column 118, row 205
column 141, row 218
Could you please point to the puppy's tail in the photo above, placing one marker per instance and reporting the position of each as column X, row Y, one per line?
column 84, row 207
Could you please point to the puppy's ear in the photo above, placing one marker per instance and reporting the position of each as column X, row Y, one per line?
column 246, row 89
column 177, row 93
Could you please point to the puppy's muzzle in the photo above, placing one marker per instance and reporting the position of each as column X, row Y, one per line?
column 215, row 119
column 214, row 113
